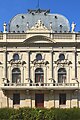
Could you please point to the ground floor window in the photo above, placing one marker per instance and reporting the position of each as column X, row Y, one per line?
column 16, row 99
column 62, row 99
column 39, row 100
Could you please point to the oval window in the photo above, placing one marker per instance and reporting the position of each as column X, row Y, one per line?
column 61, row 57
column 16, row 56
column 39, row 57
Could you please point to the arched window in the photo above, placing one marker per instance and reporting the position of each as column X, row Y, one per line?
column 39, row 75
column 16, row 75
column 38, row 57
column 61, row 75
column 15, row 57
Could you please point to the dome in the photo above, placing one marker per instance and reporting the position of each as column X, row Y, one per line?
column 20, row 22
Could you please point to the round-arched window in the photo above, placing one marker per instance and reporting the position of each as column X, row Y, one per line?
column 61, row 56
column 39, row 75
column 16, row 75
column 61, row 75
column 15, row 56
column 39, row 57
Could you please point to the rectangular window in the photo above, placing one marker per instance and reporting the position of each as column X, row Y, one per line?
column 16, row 99
column 39, row 100
column 62, row 99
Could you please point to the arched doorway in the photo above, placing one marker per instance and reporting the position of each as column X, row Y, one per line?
column 39, row 75
column 16, row 75
column 61, row 75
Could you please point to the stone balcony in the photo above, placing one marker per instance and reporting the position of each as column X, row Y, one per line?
column 40, row 86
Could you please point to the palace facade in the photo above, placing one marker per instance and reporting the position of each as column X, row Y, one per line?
column 39, row 62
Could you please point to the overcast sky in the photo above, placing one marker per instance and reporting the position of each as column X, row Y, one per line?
column 68, row 8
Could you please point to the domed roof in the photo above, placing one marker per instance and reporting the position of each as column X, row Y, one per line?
column 20, row 22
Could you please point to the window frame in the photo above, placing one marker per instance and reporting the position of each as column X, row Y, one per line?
column 16, row 75
column 62, row 74
column 39, row 75
column 62, row 99
column 16, row 99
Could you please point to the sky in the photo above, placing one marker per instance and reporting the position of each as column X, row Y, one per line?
column 69, row 8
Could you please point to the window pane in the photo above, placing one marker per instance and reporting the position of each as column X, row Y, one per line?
column 39, row 75
column 39, row 57
column 16, row 99
column 62, row 99
column 16, row 57
column 61, row 57
column 16, row 75
column 61, row 75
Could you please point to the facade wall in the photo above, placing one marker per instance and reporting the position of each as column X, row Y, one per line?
column 51, row 99
column 46, row 68
column 50, row 65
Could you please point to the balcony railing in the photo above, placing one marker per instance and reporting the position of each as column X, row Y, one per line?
column 40, row 86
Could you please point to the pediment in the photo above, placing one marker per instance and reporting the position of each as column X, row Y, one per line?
column 39, row 39
column 38, row 27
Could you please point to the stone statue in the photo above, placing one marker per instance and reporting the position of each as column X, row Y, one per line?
column 73, row 27
column 5, row 27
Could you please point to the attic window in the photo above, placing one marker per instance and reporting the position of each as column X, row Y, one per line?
column 32, row 13
column 61, row 26
column 45, row 14
column 17, row 26
column 23, row 17
column 56, row 17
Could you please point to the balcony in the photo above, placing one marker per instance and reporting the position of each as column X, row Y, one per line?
column 40, row 86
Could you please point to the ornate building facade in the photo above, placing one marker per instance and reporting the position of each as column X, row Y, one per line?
column 39, row 62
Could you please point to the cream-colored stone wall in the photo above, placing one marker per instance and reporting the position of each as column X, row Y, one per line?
column 49, row 54
column 51, row 99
